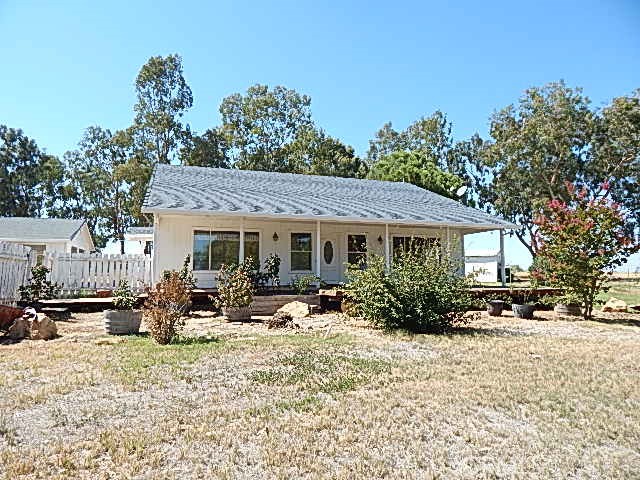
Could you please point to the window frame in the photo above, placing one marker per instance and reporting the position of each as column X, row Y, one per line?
column 347, row 251
column 313, row 247
column 222, row 229
column 437, row 239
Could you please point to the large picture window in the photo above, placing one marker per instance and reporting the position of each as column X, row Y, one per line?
column 301, row 252
column 357, row 249
column 213, row 248
column 405, row 244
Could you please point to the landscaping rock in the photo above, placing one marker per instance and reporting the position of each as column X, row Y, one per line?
column 296, row 309
column 615, row 305
column 19, row 329
column 281, row 320
column 43, row 328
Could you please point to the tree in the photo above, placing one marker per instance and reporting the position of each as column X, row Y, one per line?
column 29, row 178
column 262, row 123
column 210, row 149
column 415, row 168
column 163, row 97
column 99, row 186
column 551, row 138
column 315, row 153
column 580, row 242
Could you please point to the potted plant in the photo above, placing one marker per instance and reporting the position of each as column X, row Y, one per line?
column 495, row 305
column 235, row 293
column 124, row 319
column 567, row 305
column 524, row 309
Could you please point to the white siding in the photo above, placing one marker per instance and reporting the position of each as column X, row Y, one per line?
column 174, row 241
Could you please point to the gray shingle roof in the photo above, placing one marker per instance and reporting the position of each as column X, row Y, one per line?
column 243, row 192
column 26, row 228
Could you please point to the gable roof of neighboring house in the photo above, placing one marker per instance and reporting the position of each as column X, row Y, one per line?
column 39, row 229
column 204, row 190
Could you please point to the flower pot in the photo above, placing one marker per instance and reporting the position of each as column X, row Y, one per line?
column 522, row 311
column 237, row 314
column 563, row 310
column 494, row 307
column 122, row 322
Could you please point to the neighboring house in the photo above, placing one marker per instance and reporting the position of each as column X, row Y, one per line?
column 315, row 224
column 47, row 234
column 484, row 264
column 139, row 240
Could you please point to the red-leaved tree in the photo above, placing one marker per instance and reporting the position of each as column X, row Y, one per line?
column 581, row 242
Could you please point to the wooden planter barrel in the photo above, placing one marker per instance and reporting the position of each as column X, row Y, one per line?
column 122, row 322
column 494, row 307
column 563, row 310
column 237, row 314
column 522, row 311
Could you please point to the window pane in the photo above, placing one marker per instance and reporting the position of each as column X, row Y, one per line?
column 300, row 242
column 201, row 250
column 252, row 245
column 300, row 261
column 225, row 248
column 357, row 243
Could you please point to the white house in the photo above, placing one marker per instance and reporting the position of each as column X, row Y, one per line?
column 47, row 234
column 315, row 224
column 139, row 240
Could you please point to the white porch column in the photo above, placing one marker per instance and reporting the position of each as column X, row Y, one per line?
column 154, row 257
column 449, row 251
column 318, row 251
column 503, row 267
column 241, row 259
column 387, row 250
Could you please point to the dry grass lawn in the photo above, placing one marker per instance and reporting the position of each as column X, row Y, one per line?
column 503, row 398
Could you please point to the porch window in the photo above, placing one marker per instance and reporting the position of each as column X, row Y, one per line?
column 213, row 248
column 356, row 249
column 38, row 252
column 404, row 244
column 301, row 252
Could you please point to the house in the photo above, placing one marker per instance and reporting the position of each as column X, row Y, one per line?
column 315, row 224
column 483, row 264
column 47, row 234
column 139, row 240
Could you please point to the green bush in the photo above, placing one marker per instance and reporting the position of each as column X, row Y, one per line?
column 39, row 287
column 302, row 283
column 421, row 293
column 123, row 296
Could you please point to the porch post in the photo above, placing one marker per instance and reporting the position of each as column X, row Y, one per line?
column 241, row 259
column 448, row 241
column 387, row 256
column 503, row 267
column 154, row 257
column 318, row 251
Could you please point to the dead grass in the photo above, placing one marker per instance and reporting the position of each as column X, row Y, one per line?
column 503, row 398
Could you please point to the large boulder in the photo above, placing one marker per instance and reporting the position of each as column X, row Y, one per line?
column 43, row 328
column 19, row 329
column 614, row 305
column 296, row 309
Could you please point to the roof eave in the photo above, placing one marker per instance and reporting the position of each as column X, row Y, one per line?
column 329, row 218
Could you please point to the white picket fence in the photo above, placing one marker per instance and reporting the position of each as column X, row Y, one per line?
column 86, row 272
column 14, row 270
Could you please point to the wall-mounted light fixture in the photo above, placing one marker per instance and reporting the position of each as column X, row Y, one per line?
column 275, row 236
column 380, row 239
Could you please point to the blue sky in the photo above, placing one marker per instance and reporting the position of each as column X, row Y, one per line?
column 68, row 65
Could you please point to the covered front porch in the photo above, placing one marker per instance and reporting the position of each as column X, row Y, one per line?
column 320, row 247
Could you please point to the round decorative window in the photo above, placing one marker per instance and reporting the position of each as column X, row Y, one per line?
column 328, row 252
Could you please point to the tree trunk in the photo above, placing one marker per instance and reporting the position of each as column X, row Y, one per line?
column 122, row 246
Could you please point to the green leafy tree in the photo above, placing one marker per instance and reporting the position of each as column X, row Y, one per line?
column 210, row 149
column 261, row 124
column 163, row 97
column 30, row 180
column 98, row 185
column 580, row 242
column 415, row 168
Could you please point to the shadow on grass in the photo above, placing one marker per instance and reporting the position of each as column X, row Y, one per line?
column 627, row 322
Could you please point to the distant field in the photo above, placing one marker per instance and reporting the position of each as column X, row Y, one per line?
column 627, row 290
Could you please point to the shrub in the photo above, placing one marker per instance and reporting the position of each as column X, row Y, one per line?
column 302, row 283
column 123, row 296
column 185, row 274
column 420, row 293
column 165, row 307
column 580, row 242
column 39, row 287
column 272, row 269
column 235, row 288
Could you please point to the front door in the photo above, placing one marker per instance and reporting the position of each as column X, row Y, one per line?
column 330, row 259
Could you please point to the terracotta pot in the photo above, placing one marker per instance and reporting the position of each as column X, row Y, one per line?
column 237, row 314
column 563, row 310
column 522, row 311
column 494, row 307
column 122, row 322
